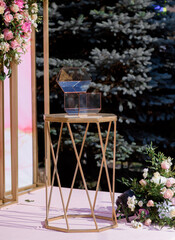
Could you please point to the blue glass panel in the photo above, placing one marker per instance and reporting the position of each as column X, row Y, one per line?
column 72, row 111
column 82, row 86
column 74, row 86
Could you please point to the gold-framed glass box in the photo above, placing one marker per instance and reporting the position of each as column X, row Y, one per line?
column 75, row 82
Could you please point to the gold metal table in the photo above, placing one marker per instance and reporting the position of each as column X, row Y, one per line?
column 68, row 120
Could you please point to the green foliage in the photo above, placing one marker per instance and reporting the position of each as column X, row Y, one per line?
column 150, row 200
column 128, row 48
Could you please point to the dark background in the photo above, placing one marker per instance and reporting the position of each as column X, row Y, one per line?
column 128, row 47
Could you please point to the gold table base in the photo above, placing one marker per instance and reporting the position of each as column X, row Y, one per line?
column 65, row 119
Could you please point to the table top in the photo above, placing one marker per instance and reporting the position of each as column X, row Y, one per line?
column 83, row 118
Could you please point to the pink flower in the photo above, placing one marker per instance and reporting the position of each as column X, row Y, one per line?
column 14, row 44
column 2, row 4
column 26, row 27
column 168, row 194
column 143, row 211
column 18, row 16
column 4, row 46
column 165, row 165
column 2, row 10
column 148, row 222
column 20, row 3
column 14, row 8
column 173, row 201
column 8, row 18
column 170, row 182
column 142, row 182
column 7, row 47
column 150, row 203
column 8, row 35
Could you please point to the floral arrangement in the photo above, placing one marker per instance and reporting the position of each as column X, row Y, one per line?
column 16, row 20
column 153, row 197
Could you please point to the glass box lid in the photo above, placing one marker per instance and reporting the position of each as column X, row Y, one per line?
column 72, row 79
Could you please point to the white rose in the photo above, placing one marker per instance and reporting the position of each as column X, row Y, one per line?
column 34, row 17
column 156, row 174
column 14, row 8
column 163, row 180
column 140, row 203
column 172, row 212
column 2, row 10
column 35, row 25
column 136, row 224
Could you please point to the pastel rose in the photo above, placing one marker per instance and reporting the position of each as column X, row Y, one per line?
column 20, row 3
column 148, row 222
column 34, row 5
column 7, row 47
column 173, row 201
column 142, row 182
column 165, row 165
column 18, row 16
column 26, row 27
column 172, row 180
column 172, row 213
column 14, row 44
column 14, row 8
column 4, row 46
column 2, row 4
column 168, row 194
column 156, row 174
column 163, row 190
column 168, row 183
column 8, row 18
column 140, row 203
column 34, row 17
column 25, row 14
column 150, row 203
column 8, row 35
column 2, row 10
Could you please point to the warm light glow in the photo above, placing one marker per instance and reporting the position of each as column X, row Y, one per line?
column 25, row 157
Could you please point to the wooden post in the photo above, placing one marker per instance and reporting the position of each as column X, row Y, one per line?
column 34, row 109
column 46, row 72
column 14, row 129
column 2, row 181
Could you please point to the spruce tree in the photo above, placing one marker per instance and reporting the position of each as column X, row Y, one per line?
column 128, row 48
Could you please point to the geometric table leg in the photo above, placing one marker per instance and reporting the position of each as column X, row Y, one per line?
column 76, row 169
column 101, row 167
column 57, row 175
column 107, row 174
column 82, row 174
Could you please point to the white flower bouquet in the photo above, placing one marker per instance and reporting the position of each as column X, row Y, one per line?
column 152, row 199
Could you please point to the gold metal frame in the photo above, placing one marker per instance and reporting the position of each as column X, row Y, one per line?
column 12, row 196
column 65, row 119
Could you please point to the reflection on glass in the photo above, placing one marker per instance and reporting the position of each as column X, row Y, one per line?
column 74, row 86
column 74, row 82
column 73, row 79
column 82, row 103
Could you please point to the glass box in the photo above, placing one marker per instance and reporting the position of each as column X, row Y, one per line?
column 82, row 103
column 74, row 82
